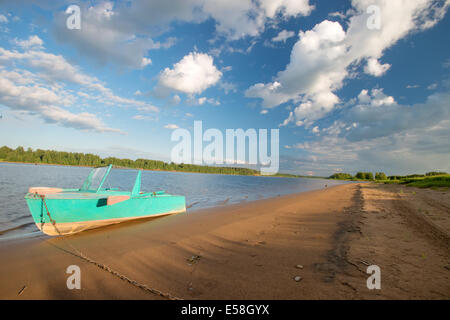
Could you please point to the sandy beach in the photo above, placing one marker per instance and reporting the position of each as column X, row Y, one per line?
column 253, row 250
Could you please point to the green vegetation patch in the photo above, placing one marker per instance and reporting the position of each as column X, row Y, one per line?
column 429, row 182
column 433, row 179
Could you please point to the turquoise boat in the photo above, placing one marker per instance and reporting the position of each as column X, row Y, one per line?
column 66, row 211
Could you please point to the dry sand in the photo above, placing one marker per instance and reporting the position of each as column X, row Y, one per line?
column 253, row 251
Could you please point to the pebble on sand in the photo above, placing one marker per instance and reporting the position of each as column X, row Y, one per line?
column 298, row 278
column 299, row 266
column 193, row 260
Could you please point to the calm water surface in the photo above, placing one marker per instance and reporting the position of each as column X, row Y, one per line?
column 201, row 190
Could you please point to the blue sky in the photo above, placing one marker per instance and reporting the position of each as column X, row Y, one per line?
column 345, row 96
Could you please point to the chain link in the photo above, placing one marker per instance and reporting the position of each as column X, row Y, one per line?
column 82, row 256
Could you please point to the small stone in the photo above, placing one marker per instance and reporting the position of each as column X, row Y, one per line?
column 298, row 278
column 299, row 266
column 193, row 260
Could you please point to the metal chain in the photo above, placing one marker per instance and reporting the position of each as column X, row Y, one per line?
column 82, row 256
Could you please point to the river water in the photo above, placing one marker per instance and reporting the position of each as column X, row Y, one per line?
column 200, row 190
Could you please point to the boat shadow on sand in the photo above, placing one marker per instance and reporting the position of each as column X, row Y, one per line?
column 110, row 229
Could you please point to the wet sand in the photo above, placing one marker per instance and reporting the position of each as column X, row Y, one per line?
column 253, row 250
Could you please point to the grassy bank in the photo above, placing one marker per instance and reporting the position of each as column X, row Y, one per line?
column 428, row 180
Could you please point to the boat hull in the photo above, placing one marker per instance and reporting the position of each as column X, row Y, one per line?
column 74, row 213
column 67, row 228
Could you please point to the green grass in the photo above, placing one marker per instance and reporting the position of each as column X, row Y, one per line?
column 429, row 182
column 441, row 181
column 390, row 181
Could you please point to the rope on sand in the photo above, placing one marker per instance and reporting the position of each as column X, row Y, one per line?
column 82, row 256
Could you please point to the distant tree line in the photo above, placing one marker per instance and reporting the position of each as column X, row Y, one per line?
column 412, row 176
column 86, row 159
column 381, row 176
column 359, row 176
column 342, row 176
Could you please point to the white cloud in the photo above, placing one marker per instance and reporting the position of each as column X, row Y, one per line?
column 264, row 111
column 235, row 18
column 32, row 41
column 3, row 19
column 432, row 86
column 171, row 126
column 288, row 120
column 27, row 97
column 322, row 56
column 315, row 53
column 141, row 117
column 382, row 116
column 378, row 134
column 287, row 8
column 363, row 96
column 170, row 42
column 271, row 94
column 47, row 103
column 337, row 14
column 43, row 92
column 147, row 108
column 202, row 100
column 407, row 152
column 81, row 121
column 56, row 69
column 446, row 64
column 376, row 98
column 400, row 153
column 316, row 108
column 283, row 36
column 110, row 34
column 193, row 74
column 146, row 61
column 227, row 87
column 375, row 68
column 176, row 99
column 127, row 30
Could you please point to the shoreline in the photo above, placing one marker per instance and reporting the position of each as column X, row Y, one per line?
column 170, row 243
column 190, row 209
column 250, row 250
column 279, row 175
